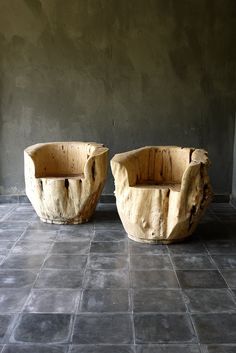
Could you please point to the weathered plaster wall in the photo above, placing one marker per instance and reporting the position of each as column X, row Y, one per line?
column 125, row 73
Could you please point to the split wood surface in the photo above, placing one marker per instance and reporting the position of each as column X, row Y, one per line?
column 64, row 180
column 161, row 192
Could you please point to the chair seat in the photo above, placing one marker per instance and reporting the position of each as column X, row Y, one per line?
column 173, row 187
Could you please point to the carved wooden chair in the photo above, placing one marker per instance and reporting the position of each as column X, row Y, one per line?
column 64, row 179
column 161, row 192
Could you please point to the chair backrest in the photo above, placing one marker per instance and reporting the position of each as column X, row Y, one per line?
column 162, row 165
column 60, row 158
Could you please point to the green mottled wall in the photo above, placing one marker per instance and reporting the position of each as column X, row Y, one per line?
column 126, row 73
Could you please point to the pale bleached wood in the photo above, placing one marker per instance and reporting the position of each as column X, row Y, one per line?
column 64, row 180
column 161, row 191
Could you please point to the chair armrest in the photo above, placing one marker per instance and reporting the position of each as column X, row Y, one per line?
column 125, row 168
column 96, row 165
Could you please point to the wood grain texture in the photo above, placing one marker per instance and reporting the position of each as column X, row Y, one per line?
column 64, row 179
column 161, row 191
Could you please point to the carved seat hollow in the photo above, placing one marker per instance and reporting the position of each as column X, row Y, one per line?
column 64, row 180
column 161, row 191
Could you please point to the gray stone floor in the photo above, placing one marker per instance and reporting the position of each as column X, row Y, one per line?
column 88, row 289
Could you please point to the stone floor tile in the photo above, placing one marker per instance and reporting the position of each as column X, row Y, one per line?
column 158, row 300
column 209, row 300
column 10, row 235
column 163, row 328
column 72, row 248
column 200, row 279
column 154, row 279
column 59, row 279
column 66, row 262
column 167, row 348
column 5, row 326
column 222, row 247
column 31, row 348
column 31, row 247
column 5, row 247
column 226, row 262
column 39, row 235
column 230, row 277
column 215, row 328
column 23, row 261
column 150, row 262
column 109, row 235
column 113, row 247
column 193, row 262
column 12, row 300
column 52, row 301
column 146, row 249
column 103, row 328
column 42, row 328
column 188, row 247
column 84, row 348
column 107, row 262
column 213, row 348
column 13, row 225
column 108, row 300
column 16, row 278
column 106, row 279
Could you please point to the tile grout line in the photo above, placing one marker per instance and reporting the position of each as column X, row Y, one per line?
column 76, row 310
column 186, row 306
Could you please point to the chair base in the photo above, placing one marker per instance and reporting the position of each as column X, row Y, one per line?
column 52, row 221
column 157, row 241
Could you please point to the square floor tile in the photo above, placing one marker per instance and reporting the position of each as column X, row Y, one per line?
column 13, row 225
column 107, row 262
column 221, row 247
column 12, row 300
column 106, row 279
column 226, row 262
column 23, row 261
column 5, row 326
column 158, row 300
column 31, row 247
column 215, row 328
column 109, row 235
column 114, row 247
column 29, row 348
column 193, row 262
column 167, row 348
column 188, row 247
column 218, row 348
column 42, row 328
column 10, row 235
column 230, row 277
column 84, row 348
column 59, row 279
column 108, row 300
column 154, row 279
column 5, row 246
column 39, row 235
column 113, row 329
column 150, row 262
column 200, row 279
column 163, row 328
column 76, row 233
column 146, row 249
column 52, row 301
column 72, row 248
column 39, row 225
column 209, row 300
column 16, row 279
column 67, row 262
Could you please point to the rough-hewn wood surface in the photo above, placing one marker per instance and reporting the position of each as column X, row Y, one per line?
column 64, row 179
column 161, row 192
